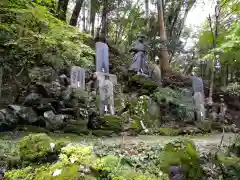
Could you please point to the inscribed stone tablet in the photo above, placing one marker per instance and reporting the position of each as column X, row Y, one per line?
column 112, row 77
column 77, row 77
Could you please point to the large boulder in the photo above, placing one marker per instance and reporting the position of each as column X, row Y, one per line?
column 32, row 99
column 45, row 74
column 112, row 122
column 54, row 122
column 8, row 119
column 48, row 90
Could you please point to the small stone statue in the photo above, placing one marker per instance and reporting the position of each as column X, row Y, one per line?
column 139, row 62
column 155, row 73
column 223, row 109
column 106, row 96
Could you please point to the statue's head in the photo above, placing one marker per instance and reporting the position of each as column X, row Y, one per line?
column 141, row 38
column 157, row 61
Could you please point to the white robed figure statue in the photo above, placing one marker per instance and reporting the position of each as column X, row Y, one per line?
column 106, row 96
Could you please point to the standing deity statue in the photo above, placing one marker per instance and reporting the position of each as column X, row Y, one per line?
column 139, row 62
column 198, row 96
column 106, row 96
column 102, row 56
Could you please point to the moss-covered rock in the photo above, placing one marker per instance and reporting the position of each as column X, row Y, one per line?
column 78, row 127
column 112, row 122
column 102, row 133
column 140, row 84
column 181, row 153
column 205, row 125
column 38, row 147
column 169, row 131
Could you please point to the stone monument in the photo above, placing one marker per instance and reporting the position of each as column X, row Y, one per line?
column 77, row 77
column 102, row 62
column 105, row 80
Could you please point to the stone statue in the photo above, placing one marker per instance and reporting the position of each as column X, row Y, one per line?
column 223, row 109
column 106, row 96
column 155, row 73
column 102, row 57
column 198, row 96
column 139, row 62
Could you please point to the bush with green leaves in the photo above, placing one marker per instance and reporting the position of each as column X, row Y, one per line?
column 233, row 89
column 182, row 153
column 180, row 101
column 30, row 35
column 37, row 147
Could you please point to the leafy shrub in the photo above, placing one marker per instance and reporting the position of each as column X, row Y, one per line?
column 37, row 146
column 180, row 101
column 181, row 153
column 30, row 35
column 233, row 89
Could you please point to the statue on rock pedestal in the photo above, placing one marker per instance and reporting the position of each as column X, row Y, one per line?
column 106, row 96
column 102, row 57
column 139, row 62
column 198, row 96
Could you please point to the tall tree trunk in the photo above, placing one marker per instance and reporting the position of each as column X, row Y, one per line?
column 1, row 76
column 89, row 5
column 76, row 11
column 62, row 9
column 104, row 18
column 92, row 20
column 147, row 13
column 84, row 16
column 163, row 55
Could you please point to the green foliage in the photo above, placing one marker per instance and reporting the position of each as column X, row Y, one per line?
column 169, row 132
column 233, row 89
column 140, row 84
column 182, row 105
column 181, row 153
column 228, row 40
column 30, row 35
column 37, row 146
column 111, row 122
column 20, row 174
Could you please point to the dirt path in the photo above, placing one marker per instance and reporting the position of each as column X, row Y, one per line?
column 203, row 142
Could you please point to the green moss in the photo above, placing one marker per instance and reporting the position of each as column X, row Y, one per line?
column 20, row 174
column 111, row 122
column 102, row 133
column 169, row 131
column 205, row 126
column 135, row 124
column 77, row 127
column 37, row 146
column 32, row 129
